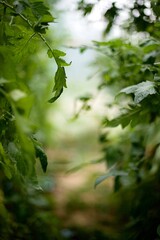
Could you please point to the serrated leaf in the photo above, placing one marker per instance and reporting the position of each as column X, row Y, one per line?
column 39, row 9
column 60, row 82
column 141, row 90
column 115, row 42
column 62, row 63
column 60, row 79
column 58, row 53
column 110, row 173
column 55, row 53
column 124, row 119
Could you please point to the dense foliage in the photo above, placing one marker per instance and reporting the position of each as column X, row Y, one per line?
column 23, row 26
column 129, row 69
column 24, row 81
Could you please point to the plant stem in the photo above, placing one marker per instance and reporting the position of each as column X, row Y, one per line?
column 21, row 15
column 31, row 25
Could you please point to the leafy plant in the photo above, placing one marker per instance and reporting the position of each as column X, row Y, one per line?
column 26, row 211
column 23, row 25
column 130, row 71
column 139, row 14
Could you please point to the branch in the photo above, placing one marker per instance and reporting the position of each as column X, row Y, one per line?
column 21, row 15
column 49, row 47
column 30, row 24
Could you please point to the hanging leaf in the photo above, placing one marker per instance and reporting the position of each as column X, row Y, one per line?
column 62, row 63
column 60, row 82
column 56, row 54
column 22, row 25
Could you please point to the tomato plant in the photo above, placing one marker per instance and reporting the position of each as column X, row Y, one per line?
column 23, row 26
column 129, row 69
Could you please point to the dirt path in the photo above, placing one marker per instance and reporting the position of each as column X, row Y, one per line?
column 76, row 197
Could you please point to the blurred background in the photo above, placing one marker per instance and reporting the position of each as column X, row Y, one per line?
column 74, row 129
column 111, row 45
column 75, row 140
column 71, row 131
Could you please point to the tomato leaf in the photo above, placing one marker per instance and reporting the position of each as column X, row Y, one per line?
column 141, row 90
column 60, row 82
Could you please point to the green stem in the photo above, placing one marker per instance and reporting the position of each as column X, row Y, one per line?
column 32, row 36
column 21, row 15
column 30, row 24
column 49, row 47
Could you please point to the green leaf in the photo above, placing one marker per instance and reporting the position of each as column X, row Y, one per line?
column 150, row 45
column 60, row 82
column 62, row 63
column 141, row 90
column 60, row 79
column 39, row 9
column 42, row 157
column 55, row 53
column 125, row 119
column 47, row 19
column 58, row 53
column 50, row 53
column 56, row 96
column 110, row 173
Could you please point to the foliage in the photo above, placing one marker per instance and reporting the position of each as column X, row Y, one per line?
column 130, row 70
column 26, row 211
column 23, row 26
column 141, row 15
